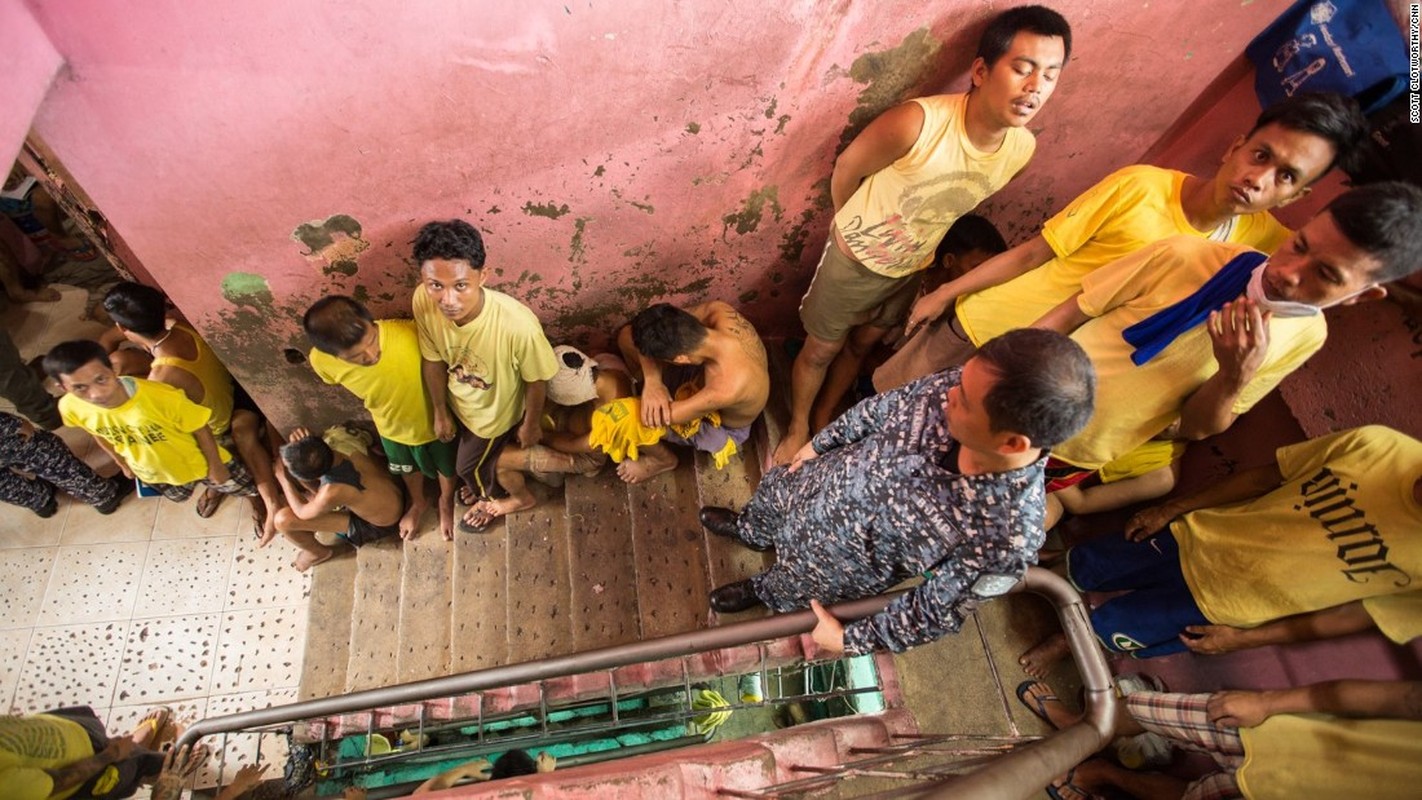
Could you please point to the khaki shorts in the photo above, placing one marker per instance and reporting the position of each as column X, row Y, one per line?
column 845, row 294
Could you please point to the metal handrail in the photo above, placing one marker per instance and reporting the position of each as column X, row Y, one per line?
column 1020, row 773
column 737, row 634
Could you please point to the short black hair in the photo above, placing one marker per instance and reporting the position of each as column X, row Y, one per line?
column 1046, row 385
column 971, row 232
column 512, row 764
column 66, row 357
column 138, row 308
column 997, row 37
column 1328, row 115
column 308, row 459
column 664, row 332
column 451, row 240
column 336, row 323
column 1384, row 219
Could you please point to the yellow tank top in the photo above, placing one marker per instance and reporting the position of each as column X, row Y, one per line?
column 215, row 379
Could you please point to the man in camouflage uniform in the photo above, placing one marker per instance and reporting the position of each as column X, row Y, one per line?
column 49, row 459
column 941, row 477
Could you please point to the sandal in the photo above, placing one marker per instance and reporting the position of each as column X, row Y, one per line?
column 152, row 723
column 209, row 501
column 1064, row 788
column 1030, row 694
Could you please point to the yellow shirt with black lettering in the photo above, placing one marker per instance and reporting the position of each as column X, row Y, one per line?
column 1129, row 209
column 1344, row 526
column 392, row 388
column 895, row 219
column 490, row 359
column 152, row 430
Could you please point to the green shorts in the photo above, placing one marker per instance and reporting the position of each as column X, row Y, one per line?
column 432, row 458
column 845, row 294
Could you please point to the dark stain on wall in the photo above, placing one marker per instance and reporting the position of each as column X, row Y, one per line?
column 333, row 242
column 692, row 128
column 890, row 77
column 549, row 210
column 748, row 218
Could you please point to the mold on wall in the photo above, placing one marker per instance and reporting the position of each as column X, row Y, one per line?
column 613, row 154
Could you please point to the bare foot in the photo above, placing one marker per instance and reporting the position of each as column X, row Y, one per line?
column 794, row 439
column 649, row 465
column 446, row 524
column 467, row 496
column 305, row 560
column 485, row 512
column 145, row 733
column 1042, row 655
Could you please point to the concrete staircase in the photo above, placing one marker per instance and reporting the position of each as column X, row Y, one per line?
column 596, row 563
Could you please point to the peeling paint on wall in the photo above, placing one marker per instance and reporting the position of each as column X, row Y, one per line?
column 748, row 218
column 549, row 210
column 891, row 76
column 334, row 241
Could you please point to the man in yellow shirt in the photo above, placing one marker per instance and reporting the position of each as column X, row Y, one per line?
column 483, row 354
column 1322, row 542
column 902, row 182
column 67, row 753
column 151, row 430
column 1345, row 738
column 379, row 362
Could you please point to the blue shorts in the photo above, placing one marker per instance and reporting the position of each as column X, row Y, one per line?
column 1148, row 621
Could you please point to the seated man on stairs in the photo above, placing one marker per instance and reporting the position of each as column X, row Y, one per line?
column 942, row 477
column 343, row 491
column 704, row 379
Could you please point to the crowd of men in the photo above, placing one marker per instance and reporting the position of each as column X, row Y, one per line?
column 1063, row 375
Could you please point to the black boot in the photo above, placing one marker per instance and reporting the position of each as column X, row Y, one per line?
column 735, row 597
column 722, row 522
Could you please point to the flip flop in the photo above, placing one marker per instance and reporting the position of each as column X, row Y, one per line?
column 154, row 721
column 465, row 526
column 1064, row 789
column 208, row 502
column 1036, row 703
column 259, row 516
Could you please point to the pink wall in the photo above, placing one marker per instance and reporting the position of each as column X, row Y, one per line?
column 615, row 155
column 28, row 63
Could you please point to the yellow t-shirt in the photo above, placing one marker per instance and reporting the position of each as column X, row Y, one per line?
column 895, row 219
column 489, row 360
column 1129, row 209
column 152, row 430
column 30, row 745
column 217, row 388
column 1135, row 403
column 391, row 388
column 1343, row 526
column 1291, row 756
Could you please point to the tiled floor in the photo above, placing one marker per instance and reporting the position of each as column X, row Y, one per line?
column 148, row 606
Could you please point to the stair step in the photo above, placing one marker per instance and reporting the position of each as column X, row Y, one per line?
column 603, row 583
column 479, row 615
column 667, row 543
column 538, row 599
column 375, row 615
column 425, row 602
column 328, row 630
column 729, row 561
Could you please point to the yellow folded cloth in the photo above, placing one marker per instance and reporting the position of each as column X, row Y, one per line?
column 617, row 428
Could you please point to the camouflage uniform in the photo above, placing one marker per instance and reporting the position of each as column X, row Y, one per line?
column 50, row 460
column 877, row 506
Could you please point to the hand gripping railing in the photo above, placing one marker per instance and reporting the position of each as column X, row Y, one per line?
column 1017, row 774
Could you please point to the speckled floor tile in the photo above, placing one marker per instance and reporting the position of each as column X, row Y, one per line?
column 260, row 649
column 168, row 658
column 185, row 576
column 71, row 665
column 239, row 750
column 180, row 520
column 94, row 582
column 24, row 574
column 132, row 522
column 12, row 657
column 263, row 576
column 21, row 527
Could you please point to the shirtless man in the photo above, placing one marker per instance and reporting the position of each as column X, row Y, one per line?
column 347, row 494
column 710, row 347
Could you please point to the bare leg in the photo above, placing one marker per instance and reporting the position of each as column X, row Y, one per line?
column 651, row 461
column 1055, row 511
column 1098, row 774
column 410, row 520
column 302, row 533
column 15, row 288
column 247, row 435
column 1040, row 657
column 843, row 372
column 806, row 378
column 510, row 476
column 448, row 486
column 1110, row 496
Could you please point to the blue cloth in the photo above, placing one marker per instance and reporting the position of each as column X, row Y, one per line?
column 1155, row 333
